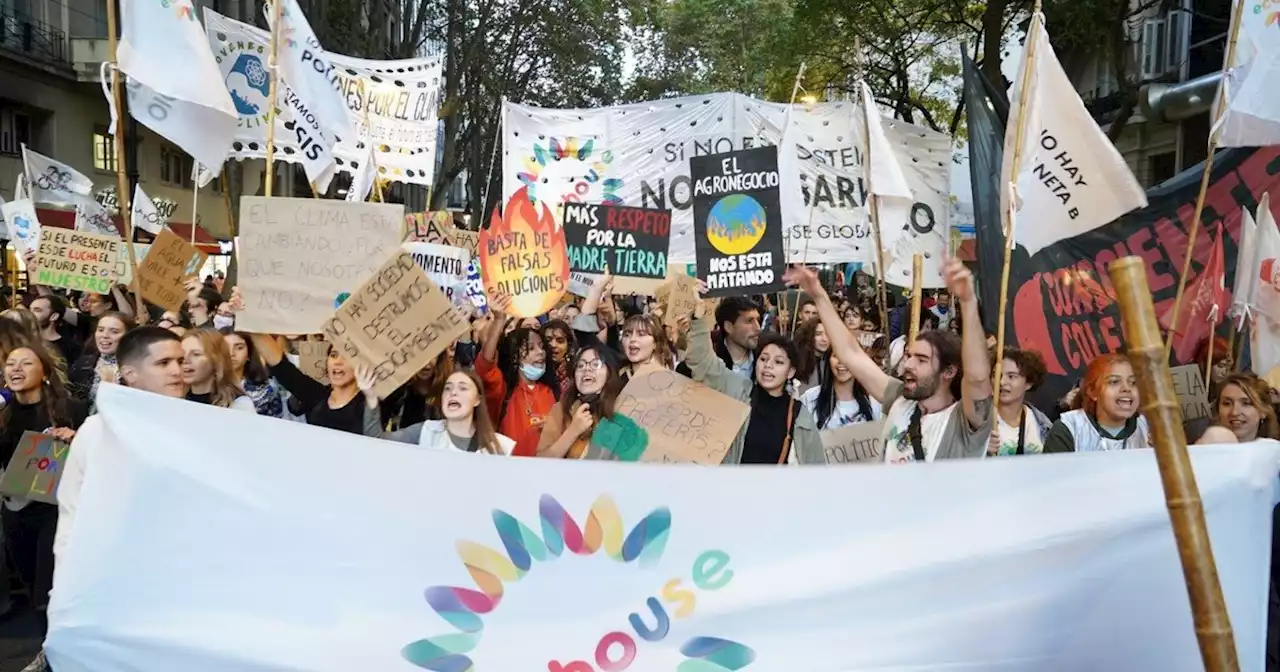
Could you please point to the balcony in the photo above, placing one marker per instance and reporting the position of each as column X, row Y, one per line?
column 33, row 41
column 87, row 56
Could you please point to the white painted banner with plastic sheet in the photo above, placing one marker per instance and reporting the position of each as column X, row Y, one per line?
column 638, row 155
column 268, row 546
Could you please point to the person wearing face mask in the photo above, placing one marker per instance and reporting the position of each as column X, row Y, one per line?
column 591, row 396
column 99, row 363
column 814, row 347
column 1020, row 426
column 202, row 304
column 41, row 404
column 779, row 429
column 248, row 370
column 840, row 400
column 1242, row 408
column 346, row 404
column 1109, row 418
column 207, row 372
column 519, row 393
column 465, row 426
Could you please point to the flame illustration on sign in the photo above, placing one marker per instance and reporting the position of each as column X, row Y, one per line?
column 523, row 257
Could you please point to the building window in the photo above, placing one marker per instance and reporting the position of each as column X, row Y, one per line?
column 1162, row 167
column 15, row 130
column 104, row 151
column 175, row 167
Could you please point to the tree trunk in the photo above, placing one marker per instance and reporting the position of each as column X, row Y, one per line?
column 451, row 109
column 992, row 37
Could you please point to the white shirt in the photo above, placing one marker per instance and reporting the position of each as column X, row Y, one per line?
column 69, row 487
column 846, row 412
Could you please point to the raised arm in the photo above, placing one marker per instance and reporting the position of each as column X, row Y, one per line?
column 975, row 389
column 867, row 372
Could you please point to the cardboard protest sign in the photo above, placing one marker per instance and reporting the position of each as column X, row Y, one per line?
column 737, row 221
column 139, row 255
column 445, row 265
column 299, row 255
column 429, row 227
column 395, row 323
column 35, row 470
column 1193, row 397
column 79, row 261
column 629, row 242
column 313, row 360
column 523, row 258
column 679, row 297
column 467, row 240
column 475, row 287
column 863, row 442
column 170, row 262
column 684, row 421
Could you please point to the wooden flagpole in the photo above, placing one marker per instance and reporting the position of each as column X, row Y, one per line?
column 786, row 253
column 873, row 204
column 123, row 197
column 277, row 9
column 1010, row 212
column 195, row 208
column 1214, row 133
column 1159, row 405
column 917, row 296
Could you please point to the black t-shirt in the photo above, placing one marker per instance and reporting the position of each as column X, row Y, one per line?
column 206, row 398
column 766, row 428
column 68, row 348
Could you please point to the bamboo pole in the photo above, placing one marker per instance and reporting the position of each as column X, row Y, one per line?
column 123, row 197
column 1215, row 132
column 917, row 296
column 781, row 297
column 1208, row 363
column 1010, row 212
column 1159, row 404
column 277, row 9
column 873, row 206
column 195, row 209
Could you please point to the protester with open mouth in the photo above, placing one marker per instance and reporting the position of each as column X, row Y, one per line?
column 517, row 389
column 342, row 404
column 1242, row 407
column 465, row 426
column 840, row 400
column 208, row 374
column 590, row 397
column 1020, row 426
column 779, row 429
column 1109, row 418
column 99, row 361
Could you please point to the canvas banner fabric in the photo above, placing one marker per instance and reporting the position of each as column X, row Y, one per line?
column 215, row 551
column 638, row 155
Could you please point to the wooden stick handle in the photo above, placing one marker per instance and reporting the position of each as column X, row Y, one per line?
column 1159, row 403
column 917, row 274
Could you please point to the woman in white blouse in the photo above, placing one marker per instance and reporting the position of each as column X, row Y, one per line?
column 466, row 426
column 840, row 400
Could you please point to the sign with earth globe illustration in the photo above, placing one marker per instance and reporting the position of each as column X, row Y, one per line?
column 737, row 219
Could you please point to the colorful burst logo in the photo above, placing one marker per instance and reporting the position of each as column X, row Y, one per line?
column 462, row 608
column 572, row 166
column 1271, row 9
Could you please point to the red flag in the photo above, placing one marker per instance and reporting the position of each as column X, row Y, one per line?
column 1205, row 304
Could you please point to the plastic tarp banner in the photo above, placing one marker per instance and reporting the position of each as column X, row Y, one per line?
column 269, row 546
column 638, row 155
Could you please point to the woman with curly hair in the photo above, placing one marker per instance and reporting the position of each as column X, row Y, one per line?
column 1020, row 426
column 561, row 345
column 517, row 389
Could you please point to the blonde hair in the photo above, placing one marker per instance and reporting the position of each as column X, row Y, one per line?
column 226, row 389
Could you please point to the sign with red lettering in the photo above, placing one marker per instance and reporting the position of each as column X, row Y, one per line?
column 629, row 242
column 35, row 470
column 1061, row 300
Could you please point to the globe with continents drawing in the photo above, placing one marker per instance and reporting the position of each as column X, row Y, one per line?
column 249, row 85
column 736, row 223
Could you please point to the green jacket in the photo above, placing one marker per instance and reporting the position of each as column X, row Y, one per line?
column 709, row 369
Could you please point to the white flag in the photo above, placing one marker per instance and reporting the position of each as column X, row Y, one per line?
column 1252, row 114
column 1246, row 259
column 4, row 223
column 93, row 218
column 175, row 86
column 54, row 182
column 202, row 176
column 145, row 214
column 1071, row 179
column 1266, row 264
column 20, row 216
column 308, row 72
column 362, row 179
column 887, row 178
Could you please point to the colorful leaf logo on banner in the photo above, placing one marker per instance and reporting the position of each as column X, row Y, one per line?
column 523, row 257
column 712, row 654
column 586, row 168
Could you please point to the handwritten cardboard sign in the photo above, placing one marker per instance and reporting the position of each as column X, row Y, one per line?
column 630, row 242
column 523, row 258
column 429, row 227
column 467, row 240
column 170, row 262
column 395, row 323
column 299, row 256
column 685, row 421
column 863, row 442
column 79, row 261
column 313, row 360
column 35, row 470
column 445, row 265
column 679, row 296
column 1193, row 397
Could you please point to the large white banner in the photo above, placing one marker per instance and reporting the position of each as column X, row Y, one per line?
column 638, row 155
column 268, row 546
column 393, row 104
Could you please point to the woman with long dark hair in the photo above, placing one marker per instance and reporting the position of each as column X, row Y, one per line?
column 591, row 396
column 419, row 399
column 517, row 387
column 561, row 346
column 248, row 369
column 840, row 400
column 41, row 404
column 814, row 346
column 465, row 425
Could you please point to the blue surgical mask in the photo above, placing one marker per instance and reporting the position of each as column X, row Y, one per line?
column 532, row 372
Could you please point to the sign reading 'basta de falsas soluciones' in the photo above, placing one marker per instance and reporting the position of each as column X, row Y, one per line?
column 737, row 221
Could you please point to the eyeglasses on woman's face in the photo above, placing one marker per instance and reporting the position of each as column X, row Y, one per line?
column 590, row 364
